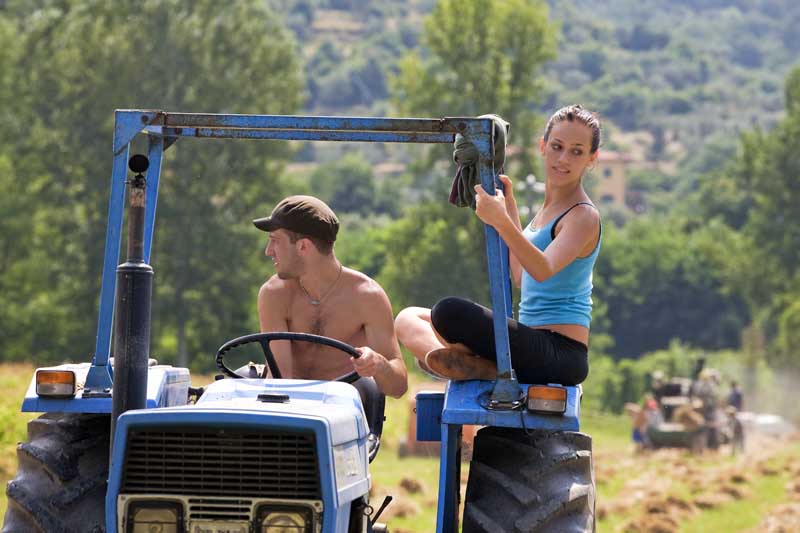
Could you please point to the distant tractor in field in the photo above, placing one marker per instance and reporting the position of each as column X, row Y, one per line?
column 691, row 414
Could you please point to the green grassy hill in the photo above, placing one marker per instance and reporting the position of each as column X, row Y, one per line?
column 682, row 71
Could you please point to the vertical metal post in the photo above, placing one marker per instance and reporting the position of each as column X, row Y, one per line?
column 506, row 393
column 155, row 152
column 449, row 479
column 98, row 380
column 505, row 272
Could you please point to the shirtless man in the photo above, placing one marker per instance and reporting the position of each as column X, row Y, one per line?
column 311, row 292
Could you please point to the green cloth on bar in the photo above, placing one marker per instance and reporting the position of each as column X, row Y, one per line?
column 465, row 155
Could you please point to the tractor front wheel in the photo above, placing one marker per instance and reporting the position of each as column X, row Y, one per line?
column 523, row 481
column 60, row 485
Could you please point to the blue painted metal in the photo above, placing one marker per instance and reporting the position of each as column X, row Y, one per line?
column 167, row 386
column 304, row 135
column 129, row 122
column 506, row 388
column 289, row 122
column 155, row 151
column 99, row 379
column 429, row 415
column 449, row 479
column 461, row 406
column 317, row 397
column 233, row 418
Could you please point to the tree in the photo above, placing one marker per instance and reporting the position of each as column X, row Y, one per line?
column 773, row 224
column 480, row 56
column 592, row 61
column 792, row 92
column 755, row 196
column 788, row 337
column 347, row 185
column 642, row 38
column 433, row 252
column 660, row 280
column 18, row 253
column 78, row 61
column 776, row 187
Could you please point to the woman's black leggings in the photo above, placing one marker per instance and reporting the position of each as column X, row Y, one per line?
column 537, row 355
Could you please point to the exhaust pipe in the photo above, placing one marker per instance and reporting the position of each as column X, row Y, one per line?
column 132, row 306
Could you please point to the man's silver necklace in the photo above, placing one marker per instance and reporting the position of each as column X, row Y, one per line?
column 317, row 301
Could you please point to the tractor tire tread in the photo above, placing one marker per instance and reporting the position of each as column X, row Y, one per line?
column 61, row 480
column 539, row 518
column 488, row 475
column 522, row 481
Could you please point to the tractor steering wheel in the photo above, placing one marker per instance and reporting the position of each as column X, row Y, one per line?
column 265, row 338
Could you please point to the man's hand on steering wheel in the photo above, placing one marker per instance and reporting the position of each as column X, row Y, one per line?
column 371, row 363
column 263, row 339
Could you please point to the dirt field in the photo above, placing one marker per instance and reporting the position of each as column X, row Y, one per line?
column 667, row 490
column 672, row 490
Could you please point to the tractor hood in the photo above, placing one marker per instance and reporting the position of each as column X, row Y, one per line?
column 338, row 404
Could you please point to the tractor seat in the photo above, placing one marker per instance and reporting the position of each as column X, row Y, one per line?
column 374, row 403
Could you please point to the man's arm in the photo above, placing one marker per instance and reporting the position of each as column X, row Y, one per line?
column 272, row 317
column 381, row 358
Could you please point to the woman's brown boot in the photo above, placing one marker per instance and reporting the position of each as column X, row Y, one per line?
column 458, row 365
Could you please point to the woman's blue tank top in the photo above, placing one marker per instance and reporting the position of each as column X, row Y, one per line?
column 564, row 298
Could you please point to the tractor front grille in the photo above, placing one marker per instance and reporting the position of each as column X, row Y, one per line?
column 222, row 462
column 219, row 509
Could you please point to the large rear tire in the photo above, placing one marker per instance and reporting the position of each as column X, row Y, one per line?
column 530, row 481
column 60, row 485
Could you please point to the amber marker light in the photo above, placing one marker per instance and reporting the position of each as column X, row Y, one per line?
column 55, row 383
column 547, row 399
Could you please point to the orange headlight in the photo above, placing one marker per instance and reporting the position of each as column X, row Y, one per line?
column 547, row 399
column 55, row 383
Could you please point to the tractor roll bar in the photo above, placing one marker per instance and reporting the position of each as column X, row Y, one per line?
column 163, row 129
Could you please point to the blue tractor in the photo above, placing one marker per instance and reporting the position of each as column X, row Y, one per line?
column 128, row 445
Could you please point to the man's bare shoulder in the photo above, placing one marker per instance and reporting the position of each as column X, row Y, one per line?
column 365, row 288
column 370, row 302
column 275, row 290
